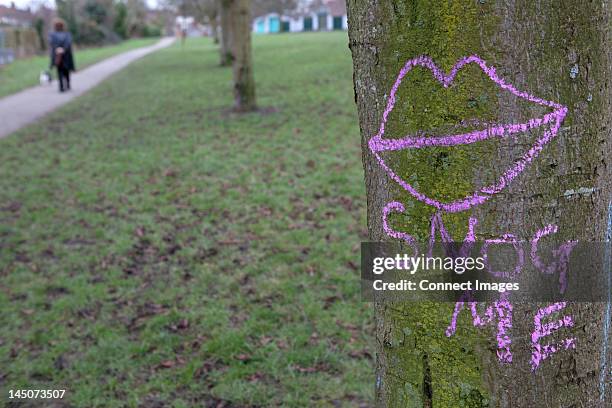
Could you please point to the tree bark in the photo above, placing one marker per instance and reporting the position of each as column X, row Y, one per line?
column 225, row 49
column 215, row 29
column 242, row 64
column 555, row 50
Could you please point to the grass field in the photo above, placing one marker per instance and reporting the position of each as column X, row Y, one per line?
column 24, row 73
column 157, row 250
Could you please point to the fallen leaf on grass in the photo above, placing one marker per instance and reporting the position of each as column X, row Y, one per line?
column 171, row 363
column 199, row 373
column 230, row 242
column 328, row 301
column 12, row 207
column 310, row 270
column 305, row 369
column 78, row 241
column 208, row 366
column 265, row 211
column 243, row 357
column 256, row 376
column 360, row 354
column 204, row 253
column 347, row 326
column 264, row 340
column 140, row 231
column 167, row 364
column 197, row 343
column 60, row 362
column 312, row 369
column 56, row 291
column 49, row 252
column 352, row 329
column 170, row 173
column 144, row 313
column 181, row 325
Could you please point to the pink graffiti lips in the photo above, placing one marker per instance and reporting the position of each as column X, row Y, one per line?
column 554, row 119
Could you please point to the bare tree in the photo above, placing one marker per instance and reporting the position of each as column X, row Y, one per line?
column 225, row 50
column 204, row 11
column 430, row 68
column 213, row 20
column 242, row 64
column 273, row 6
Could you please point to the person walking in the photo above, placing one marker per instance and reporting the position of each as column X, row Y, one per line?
column 60, row 44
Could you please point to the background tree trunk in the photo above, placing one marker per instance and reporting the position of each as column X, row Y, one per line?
column 226, row 34
column 244, row 81
column 215, row 29
column 556, row 50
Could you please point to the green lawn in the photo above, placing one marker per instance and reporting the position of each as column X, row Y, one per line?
column 157, row 250
column 23, row 74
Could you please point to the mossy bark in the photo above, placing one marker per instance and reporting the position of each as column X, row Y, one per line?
column 556, row 50
column 242, row 62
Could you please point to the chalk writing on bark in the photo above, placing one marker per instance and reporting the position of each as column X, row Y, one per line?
column 543, row 351
column 378, row 145
column 501, row 310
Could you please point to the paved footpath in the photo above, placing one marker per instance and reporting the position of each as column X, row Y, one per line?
column 31, row 104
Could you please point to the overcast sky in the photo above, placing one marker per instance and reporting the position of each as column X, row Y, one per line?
column 25, row 3
column 19, row 3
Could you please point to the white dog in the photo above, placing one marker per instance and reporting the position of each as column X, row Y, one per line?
column 45, row 77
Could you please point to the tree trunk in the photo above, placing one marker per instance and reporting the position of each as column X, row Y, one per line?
column 558, row 54
column 226, row 34
column 215, row 30
column 244, row 81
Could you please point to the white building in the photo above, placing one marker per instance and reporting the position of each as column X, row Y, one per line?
column 321, row 15
column 271, row 23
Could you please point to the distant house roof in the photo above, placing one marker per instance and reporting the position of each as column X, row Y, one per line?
column 12, row 16
column 305, row 8
column 333, row 7
column 46, row 13
column 263, row 16
column 336, row 7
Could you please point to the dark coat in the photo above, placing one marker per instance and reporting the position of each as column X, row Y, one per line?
column 62, row 39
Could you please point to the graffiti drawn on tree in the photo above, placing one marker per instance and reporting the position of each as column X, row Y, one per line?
column 500, row 312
